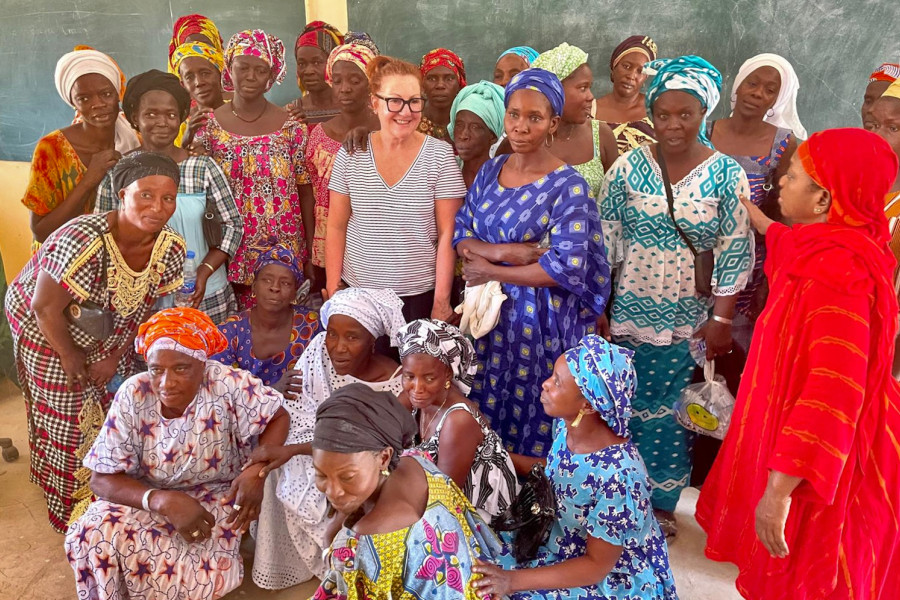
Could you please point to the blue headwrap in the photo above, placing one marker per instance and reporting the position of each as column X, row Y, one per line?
column 605, row 375
column 690, row 74
column 283, row 256
column 485, row 99
column 541, row 81
column 526, row 52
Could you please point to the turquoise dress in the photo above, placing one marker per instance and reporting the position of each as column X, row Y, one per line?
column 605, row 495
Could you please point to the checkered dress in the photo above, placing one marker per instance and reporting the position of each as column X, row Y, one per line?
column 200, row 175
column 73, row 257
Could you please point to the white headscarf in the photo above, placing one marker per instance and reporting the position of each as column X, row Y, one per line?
column 785, row 109
column 80, row 62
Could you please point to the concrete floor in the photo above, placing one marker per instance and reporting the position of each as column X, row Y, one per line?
column 33, row 565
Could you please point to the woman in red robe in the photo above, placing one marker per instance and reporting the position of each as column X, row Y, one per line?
column 805, row 494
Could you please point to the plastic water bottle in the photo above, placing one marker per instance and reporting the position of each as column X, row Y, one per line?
column 184, row 293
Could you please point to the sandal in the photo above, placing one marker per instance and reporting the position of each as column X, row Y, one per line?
column 667, row 523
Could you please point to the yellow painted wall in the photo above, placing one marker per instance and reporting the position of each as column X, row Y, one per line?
column 15, row 228
column 330, row 11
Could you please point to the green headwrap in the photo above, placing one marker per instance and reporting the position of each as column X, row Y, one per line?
column 561, row 61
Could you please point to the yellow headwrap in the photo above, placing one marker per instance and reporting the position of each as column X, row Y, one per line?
column 893, row 90
column 195, row 49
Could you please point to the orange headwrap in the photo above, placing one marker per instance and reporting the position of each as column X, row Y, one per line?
column 189, row 328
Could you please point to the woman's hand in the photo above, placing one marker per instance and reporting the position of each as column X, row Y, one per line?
column 758, row 220
column 100, row 163
column 356, row 140
column 246, row 493
column 522, row 254
column 74, row 365
column 193, row 522
column 203, row 274
column 476, row 269
column 442, row 311
column 291, row 384
column 717, row 336
column 494, row 581
column 296, row 112
column 771, row 517
column 270, row 457
column 102, row 371
column 197, row 118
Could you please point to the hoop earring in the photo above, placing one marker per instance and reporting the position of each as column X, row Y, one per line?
column 771, row 112
column 549, row 141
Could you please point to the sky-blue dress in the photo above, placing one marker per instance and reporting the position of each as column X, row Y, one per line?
column 536, row 324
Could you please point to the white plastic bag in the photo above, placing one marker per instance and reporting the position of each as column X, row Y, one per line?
column 706, row 407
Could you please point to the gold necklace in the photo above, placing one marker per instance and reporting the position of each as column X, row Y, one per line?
column 434, row 416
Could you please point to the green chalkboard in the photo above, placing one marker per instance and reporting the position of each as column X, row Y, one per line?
column 833, row 44
column 135, row 33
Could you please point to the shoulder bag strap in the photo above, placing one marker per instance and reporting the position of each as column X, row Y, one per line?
column 671, row 200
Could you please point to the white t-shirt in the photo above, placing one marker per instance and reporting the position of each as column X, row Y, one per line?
column 392, row 233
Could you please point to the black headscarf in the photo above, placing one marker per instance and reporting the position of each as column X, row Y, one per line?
column 151, row 80
column 138, row 165
column 356, row 418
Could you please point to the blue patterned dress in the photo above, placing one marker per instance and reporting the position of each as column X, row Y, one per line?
column 118, row 551
column 656, row 308
column 605, row 495
column 536, row 324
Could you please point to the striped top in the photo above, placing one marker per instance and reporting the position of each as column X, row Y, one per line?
column 392, row 232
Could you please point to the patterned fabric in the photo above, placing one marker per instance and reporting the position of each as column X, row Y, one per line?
column 444, row 342
column 255, row 42
column 119, row 551
column 441, row 57
column 691, row 74
column 320, row 153
column 195, row 50
column 431, row 558
column 189, row 25
column 379, row 311
column 893, row 91
column 605, row 375
column 759, row 170
column 239, row 352
column 363, row 39
column 664, row 371
column 55, row 171
column 604, row 495
column 283, row 257
column 592, row 170
column 73, row 256
column 562, row 60
column 541, row 81
column 491, row 485
column 321, row 35
column 187, row 326
column 784, row 112
column 430, row 128
column 484, row 99
column 655, row 298
column 536, row 324
column 526, row 52
column 357, row 54
column 264, row 172
column 633, row 134
column 641, row 44
column 889, row 72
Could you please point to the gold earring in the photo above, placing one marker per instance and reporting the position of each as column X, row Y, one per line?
column 385, row 473
column 580, row 416
column 447, row 385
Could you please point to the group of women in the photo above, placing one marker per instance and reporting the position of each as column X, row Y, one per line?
column 317, row 392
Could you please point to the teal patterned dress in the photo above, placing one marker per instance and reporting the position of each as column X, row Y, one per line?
column 656, row 308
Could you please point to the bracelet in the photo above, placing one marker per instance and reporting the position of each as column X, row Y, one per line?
column 145, row 501
column 722, row 320
column 212, row 269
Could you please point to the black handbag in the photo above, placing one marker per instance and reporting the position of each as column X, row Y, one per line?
column 531, row 515
column 90, row 317
column 704, row 262
column 212, row 225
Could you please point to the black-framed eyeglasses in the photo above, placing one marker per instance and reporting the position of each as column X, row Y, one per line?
column 396, row 105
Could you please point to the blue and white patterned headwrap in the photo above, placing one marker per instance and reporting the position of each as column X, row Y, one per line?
column 691, row 74
column 605, row 375
column 526, row 52
column 541, row 81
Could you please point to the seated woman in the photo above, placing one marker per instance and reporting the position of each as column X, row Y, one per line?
column 174, row 497
column 70, row 163
column 290, row 535
column 624, row 109
column 155, row 103
column 476, row 124
column 512, row 62
column 605, row 542
column 407, row 531
column 74, row 310
column 268, row 339
column 439, row 366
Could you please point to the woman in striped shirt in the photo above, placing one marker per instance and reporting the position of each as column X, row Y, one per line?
column 392, row 207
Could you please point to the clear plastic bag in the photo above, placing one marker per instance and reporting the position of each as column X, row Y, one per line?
column 706, row 407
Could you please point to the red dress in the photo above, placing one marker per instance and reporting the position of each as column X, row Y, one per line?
column 817, row 402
